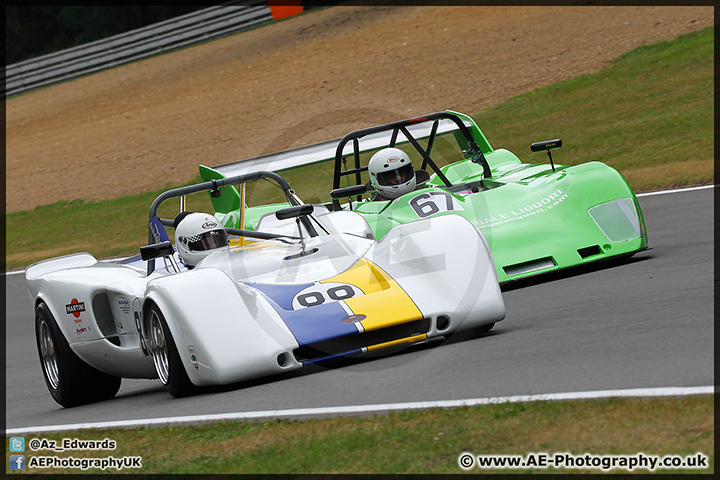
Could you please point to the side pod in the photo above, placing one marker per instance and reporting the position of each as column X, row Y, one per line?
column 224, row 331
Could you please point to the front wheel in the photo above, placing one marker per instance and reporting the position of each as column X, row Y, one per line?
column 165, row 356
column 71, row 381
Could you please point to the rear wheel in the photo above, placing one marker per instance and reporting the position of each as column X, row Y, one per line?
column 70, row 381
column 165, row 356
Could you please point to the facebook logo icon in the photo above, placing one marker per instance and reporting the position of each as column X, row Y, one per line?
column 17, row 462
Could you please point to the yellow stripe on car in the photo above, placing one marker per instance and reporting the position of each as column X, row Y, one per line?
column 384, row 304
column 396, row 343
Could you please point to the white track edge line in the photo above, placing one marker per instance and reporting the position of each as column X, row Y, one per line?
column 369, row 409
column 646, row 194
column 676, row 190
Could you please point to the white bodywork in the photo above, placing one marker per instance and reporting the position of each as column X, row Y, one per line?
column 227, row 330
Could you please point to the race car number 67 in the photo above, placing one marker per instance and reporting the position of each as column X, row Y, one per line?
column 430, row 203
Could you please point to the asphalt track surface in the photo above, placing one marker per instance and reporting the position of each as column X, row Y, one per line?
column 643, row 323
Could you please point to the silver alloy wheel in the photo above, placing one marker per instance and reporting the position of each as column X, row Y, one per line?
column 158, row 347
column 48, row 354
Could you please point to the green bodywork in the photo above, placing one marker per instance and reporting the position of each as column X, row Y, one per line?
column 535, row 220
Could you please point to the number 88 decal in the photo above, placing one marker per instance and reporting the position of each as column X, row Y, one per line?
column 324, row 292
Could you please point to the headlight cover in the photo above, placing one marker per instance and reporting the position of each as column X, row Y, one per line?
column 617, row 219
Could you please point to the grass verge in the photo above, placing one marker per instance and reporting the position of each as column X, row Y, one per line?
column 649, row 114
column 421, row 441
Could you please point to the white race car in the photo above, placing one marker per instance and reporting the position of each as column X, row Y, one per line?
column 307, row 285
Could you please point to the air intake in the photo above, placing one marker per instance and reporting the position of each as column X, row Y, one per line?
column 589, row 251
column 531, row 266
column 352, row 342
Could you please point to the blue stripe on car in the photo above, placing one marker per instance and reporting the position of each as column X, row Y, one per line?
column 308, row 325
column 351, row 353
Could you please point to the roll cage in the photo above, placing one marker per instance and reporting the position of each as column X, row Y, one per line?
column 473, row 151
column 158, row 236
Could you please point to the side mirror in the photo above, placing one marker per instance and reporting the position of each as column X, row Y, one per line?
column 547, row 145
column 348, row 191
column 162, row 249
column 294, row 212
column 156, row 250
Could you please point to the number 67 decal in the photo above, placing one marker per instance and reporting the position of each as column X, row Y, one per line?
column 430, row 203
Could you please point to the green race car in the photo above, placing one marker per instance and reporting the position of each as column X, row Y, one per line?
column 536, row 218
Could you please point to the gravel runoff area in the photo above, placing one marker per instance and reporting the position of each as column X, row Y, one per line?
column 306, row 79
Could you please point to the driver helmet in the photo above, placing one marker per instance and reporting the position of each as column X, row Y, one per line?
column 391, row 173
column 197, row 235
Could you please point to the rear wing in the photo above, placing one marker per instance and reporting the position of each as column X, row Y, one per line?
column 326, row 151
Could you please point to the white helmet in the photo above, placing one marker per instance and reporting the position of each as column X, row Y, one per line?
column 197, row 235
column 391, row 173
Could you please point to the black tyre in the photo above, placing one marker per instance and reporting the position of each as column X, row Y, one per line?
column 165, row 356
column 71, row 381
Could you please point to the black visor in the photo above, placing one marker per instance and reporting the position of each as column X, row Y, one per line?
column 208, row 241
column 396, row 177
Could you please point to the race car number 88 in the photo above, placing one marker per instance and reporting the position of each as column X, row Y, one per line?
column 321, row 293
column 430, row 203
